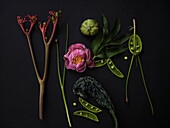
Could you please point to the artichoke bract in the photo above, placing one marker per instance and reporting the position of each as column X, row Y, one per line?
column 89, row 27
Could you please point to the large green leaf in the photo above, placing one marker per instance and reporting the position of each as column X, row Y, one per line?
column 105, row 24
column 97, row 42
column 110, row 52
column 114, row 31
column 118, row 41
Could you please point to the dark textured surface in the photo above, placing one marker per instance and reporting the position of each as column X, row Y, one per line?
column 19, row 86
column 88, row 86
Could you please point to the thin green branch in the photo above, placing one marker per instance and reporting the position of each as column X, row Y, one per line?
column 62, row 87
column 58, row 66
column 140, row 65
column 136, row 61
column 128, row 78
column 66, row 47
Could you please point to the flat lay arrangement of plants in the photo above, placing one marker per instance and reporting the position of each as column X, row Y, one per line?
column 107, row 42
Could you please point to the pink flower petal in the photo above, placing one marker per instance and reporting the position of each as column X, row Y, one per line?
column 90, row 63
column 82, row 69
column 77, row 46
column 88, row 54
column 79, row 65
column 81, row 53
column 66, row 55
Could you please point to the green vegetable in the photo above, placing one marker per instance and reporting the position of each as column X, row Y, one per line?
column 135, row 44
column 99, row 63
column 135, row 47
column 74, row 104
column 113, row 68
column 89, row 87
column 89, row 27
column 89, row 106
column 125, row 57
column 107, row 43
column 86, row 114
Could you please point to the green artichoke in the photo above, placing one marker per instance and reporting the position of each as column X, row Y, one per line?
column 89, row 27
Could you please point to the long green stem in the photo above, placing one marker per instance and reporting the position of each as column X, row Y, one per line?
column 140, row 65
column 115, row 118
column 64, row 70
column 62, row 87
column 128, row 78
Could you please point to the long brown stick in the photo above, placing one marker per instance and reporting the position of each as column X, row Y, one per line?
column 41, row 97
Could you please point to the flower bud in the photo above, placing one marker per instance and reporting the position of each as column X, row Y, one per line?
column 89, row 27
column 53, row 19
column 59, row 11
column 56, row 14
column 39, row 23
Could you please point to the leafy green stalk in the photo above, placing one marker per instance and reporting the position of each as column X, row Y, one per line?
column 107, row 44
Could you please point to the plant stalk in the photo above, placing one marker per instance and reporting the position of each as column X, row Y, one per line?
column 143, row 78
column 128, row 78
column 64, row 70
column 41, row 97
column 41, row 81
column 46, row 61
column 62, row 88
column 32, row 56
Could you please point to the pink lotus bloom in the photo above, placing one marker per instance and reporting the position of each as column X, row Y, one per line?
column 78, row 57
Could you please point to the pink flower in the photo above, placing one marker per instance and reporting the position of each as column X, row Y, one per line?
column 78, row 57
column 32, row 19
column 54, row 18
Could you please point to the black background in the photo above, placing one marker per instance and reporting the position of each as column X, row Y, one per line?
column 19, row 87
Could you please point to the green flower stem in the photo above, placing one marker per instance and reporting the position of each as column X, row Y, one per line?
column 62, row 86
column 66, row 47
column 128, row 78
column 140, row 65
column 94, row 57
